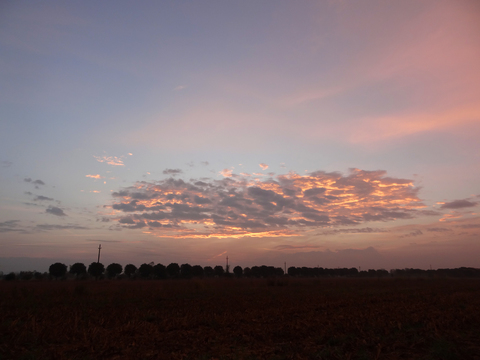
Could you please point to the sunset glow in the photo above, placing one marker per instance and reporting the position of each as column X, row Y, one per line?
column 335, row 133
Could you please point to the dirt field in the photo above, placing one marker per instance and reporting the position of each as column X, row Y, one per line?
column 241, row 319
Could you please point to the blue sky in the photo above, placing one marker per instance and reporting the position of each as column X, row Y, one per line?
column 102, row 98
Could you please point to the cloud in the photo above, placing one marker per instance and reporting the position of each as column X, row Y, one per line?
column 38, row 197
column 226, row 172
column 6, row 163
column 60, row 227
column 110, row 160
column 285, row 205
column 172, row 172
column 105, row 241
column 295, row 247
column 204, row 163
column 263, row 166
column 458, row 204
column 9, row 226
column 367, row 230
column 438, row 229
column 36, row 182
column 55, row 211
column 42, row 198
column 97, row 177
column 469, row 226
column 413, row 233
column 180, row 87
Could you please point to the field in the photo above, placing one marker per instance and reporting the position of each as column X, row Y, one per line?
column 241, row 319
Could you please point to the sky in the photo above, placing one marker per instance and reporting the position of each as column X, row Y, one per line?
column 311, row 133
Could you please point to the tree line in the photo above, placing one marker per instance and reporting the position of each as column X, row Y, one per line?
column 186, row 271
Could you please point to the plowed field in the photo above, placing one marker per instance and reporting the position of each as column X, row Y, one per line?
column 241, row 319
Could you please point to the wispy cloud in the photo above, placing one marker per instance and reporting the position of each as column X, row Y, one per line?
column 60, row 227
column 43, row 198
column 111, row 160
column 35, row 182
column 104, row 241
column 96, row 177
column 172, row 172
column 458, row 204
column 6, row 163
column 10, row 226
column 263, row 166
column 296, row 247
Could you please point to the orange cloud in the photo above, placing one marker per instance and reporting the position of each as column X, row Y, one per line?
column 110, row 160
column 263, row 166
column 287, row 205
column 97, row 177
column 226, row 172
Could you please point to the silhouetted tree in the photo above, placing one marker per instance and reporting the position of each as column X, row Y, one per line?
column 114, row 269
column 218, row 270
column 78, row 269
column 145, row 270
column 10, row 277
column 25, row 275
column 208, row 271
column 160, row 271
column 173, row 270
column 279, row 271
column 186, row 271
column 130, row 269
column 255, row 271
column 247, row 272
column 96, row 269
column 197, row 271
column 57, row 270
column 238, row 271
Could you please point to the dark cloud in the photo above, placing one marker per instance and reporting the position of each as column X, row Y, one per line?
column 42, row 198
column 295, row 247
column 469, row 226
column 439, row 229
column 36, row 182
column 60, row 227
column 314, row 191
column 6, row 164
column 172, row 172
column 126, row 220
column 201, row 200
column 10, row 226
column 104, row 241
column 458, row 204
column 55, row 211
column 413, row 233
column 204, row 163
column 285, row 204
column 366, row 230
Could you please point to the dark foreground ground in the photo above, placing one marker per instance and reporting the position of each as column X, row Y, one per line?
column 241, row 319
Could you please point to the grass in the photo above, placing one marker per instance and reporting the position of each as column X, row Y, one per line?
column 241, row 319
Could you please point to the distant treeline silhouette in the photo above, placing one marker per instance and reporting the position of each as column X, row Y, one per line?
column 186, row 271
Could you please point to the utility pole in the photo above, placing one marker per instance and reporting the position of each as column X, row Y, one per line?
column 99, row 248
column 285, row 267
column 226, row 268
